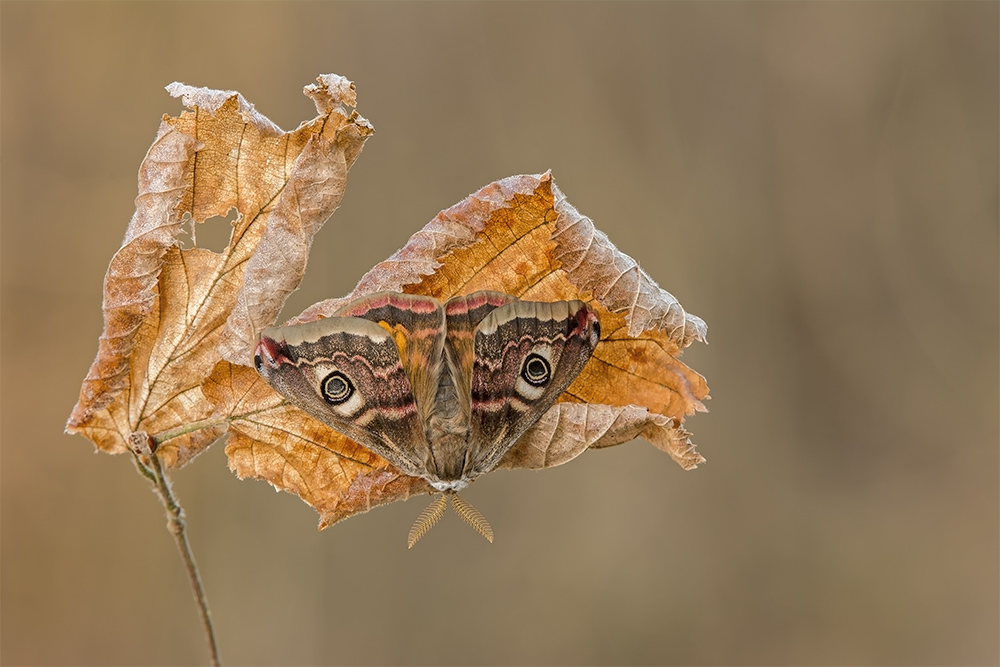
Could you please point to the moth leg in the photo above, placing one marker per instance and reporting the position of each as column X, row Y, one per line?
column 427, row 519
column 472, row 516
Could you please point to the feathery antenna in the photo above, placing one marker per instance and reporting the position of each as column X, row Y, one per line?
column 426, row 520
column 436, row 510
column 472, row 516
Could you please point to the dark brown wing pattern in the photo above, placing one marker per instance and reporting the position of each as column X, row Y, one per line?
column 526, row 354
column 355, row 372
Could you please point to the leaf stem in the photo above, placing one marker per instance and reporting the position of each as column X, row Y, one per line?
column 161, row 438
column 142, row 468
column 148, row 465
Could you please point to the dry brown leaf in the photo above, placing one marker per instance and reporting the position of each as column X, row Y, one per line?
column 520, row 236
column 171, row 314
column 569, row 429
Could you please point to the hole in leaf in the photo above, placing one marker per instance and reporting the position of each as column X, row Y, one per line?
column 214, row 233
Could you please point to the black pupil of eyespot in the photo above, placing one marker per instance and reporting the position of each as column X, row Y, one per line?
column 257, row 362
column 336, row 388
column 536, row 370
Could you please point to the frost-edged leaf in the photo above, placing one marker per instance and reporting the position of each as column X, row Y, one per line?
column 170, row 313
column 569, row 429
column 521, row 236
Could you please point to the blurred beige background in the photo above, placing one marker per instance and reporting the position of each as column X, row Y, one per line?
column 817, row 181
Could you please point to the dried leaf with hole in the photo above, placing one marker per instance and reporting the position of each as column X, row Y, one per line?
column 172, row 367
column 171, row 314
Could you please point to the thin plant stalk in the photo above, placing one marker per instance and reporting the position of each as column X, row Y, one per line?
column 148, row 465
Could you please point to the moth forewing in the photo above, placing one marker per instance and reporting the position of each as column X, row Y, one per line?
column 372, row 401
column 527, row 353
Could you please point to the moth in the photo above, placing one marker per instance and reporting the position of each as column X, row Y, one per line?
column 440, row 390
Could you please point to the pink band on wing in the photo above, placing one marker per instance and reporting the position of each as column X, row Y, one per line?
column 272, row 351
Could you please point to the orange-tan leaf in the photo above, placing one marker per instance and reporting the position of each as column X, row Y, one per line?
column 170, row 313
column 520, row 236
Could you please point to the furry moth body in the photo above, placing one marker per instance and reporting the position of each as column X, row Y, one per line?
column 440, row 390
